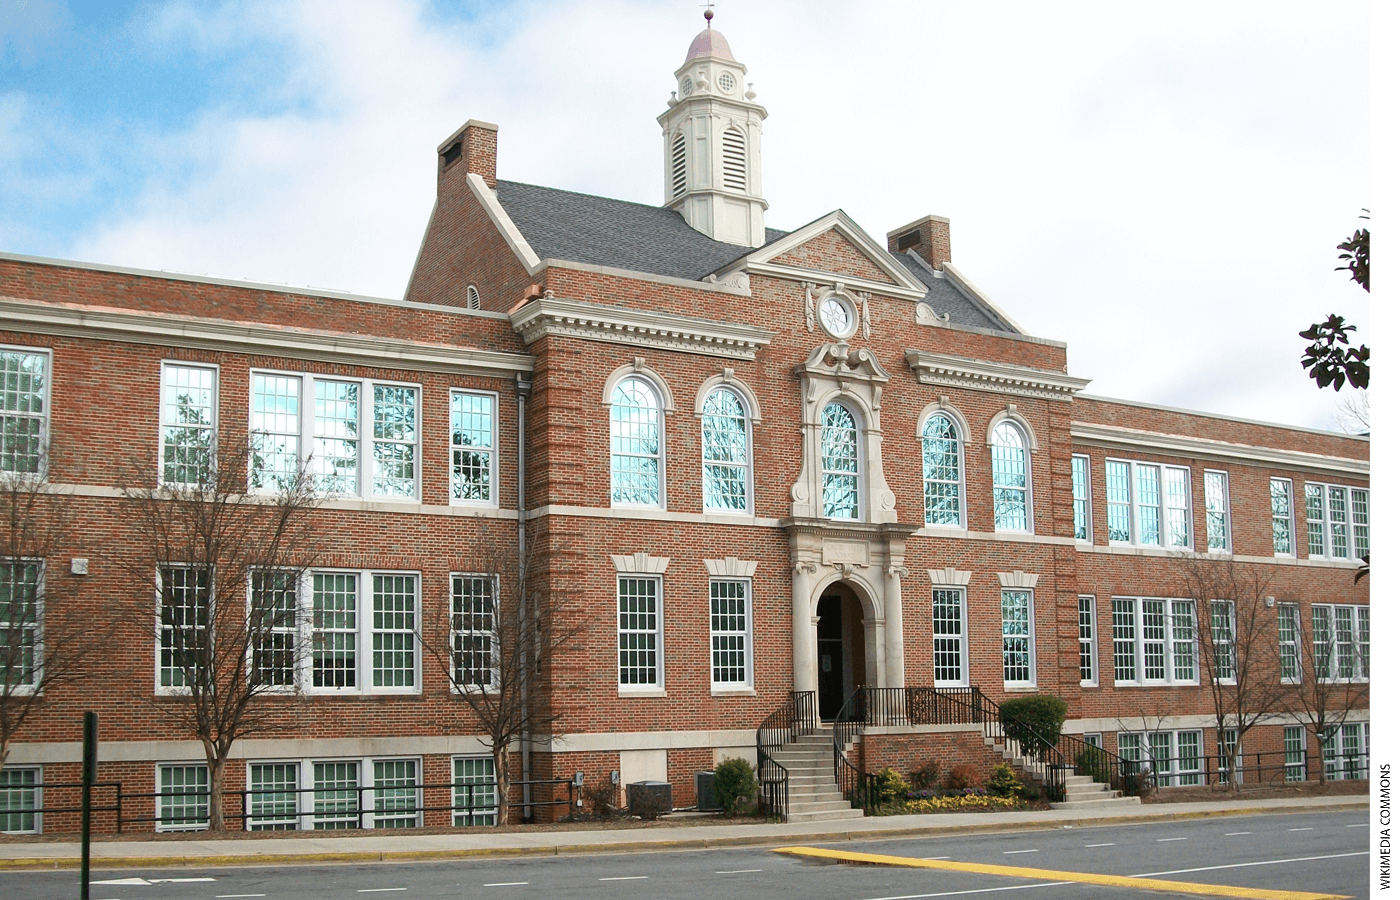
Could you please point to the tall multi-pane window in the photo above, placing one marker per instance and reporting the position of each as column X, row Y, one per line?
column 394, row 635
column 724, row 441
column 473, row 428
column 635, row 421
column 1079, row 479
column 1341, row 642
column 638, row 631
column 1345, row 751
column 272, row 798
column 24, row 409
column 1289, row 659
column 1088, row 650
column 1295, row 754
column 21, row 798
column 1154, row 641
column 1338, row 521
column 949, row 638
column 1222, row 637
column 363, row 632
column 334, row 417
column 1281, row 507
column 21, row 615
column 473, row 791
column 840, row 464
column 1217, row 501
column 475, row 653
column 1175, row 757
column 335, row 795
column 942, row 472
column 1148, row 504
column 182, row 801
column 335, row 630
column 1010, row 479
column 1017, row 637
column 187, row 410
column 182, row 613
column 731, row 665
column 397, row 801
column 273, row 627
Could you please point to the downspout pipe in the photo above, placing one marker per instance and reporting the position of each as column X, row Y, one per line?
column 522, row 391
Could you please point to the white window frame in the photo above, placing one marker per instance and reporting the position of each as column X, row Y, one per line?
column 1023, row 433
column 364, row 439
column 1227, row 740
column 1144, row 743
column 662, row 404
column 960, row 450
column 956, row 643
column 1223, row 513
column 458, row 617
column 858, row 476
column 169, row 365
column 291, row 632
column 174, row 689
column 744, row 636
column 161, row 797
column 1080, row 464
column 1295, row 753
column 464, row 786
column 1009, row 636
column 746, row 412
column 1358, row 645
column 1335, row 766
column 1088, row 640
column 44, row 394
column 1135, row 504
column 1284, row 518
column 1173, row 654
column 1223, row 636
column 658, row 683
column 366, row 793
column 491, row 451
column 11, row 565
column 32, row 794
column 1353, row 532
column 1289, row 612
column 293, row 819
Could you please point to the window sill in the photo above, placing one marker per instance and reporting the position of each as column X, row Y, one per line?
column 732, row 692
column 1019, row 688
column 1088, row 684
column 625, row 691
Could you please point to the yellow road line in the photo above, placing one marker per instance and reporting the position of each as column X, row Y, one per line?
column 1147, row 884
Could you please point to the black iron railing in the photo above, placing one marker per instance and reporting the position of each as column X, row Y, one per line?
column 796, row 717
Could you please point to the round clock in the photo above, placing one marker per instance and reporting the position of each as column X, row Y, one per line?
column 838, row 317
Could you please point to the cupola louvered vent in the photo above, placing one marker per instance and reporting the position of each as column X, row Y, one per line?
column 678, row 165
column 734, row 169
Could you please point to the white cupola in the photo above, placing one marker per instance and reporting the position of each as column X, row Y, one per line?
column 711, row 144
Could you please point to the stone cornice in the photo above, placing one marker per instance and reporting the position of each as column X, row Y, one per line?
column 795, row 273
column 1003, row 378
column 1118, row 437
column 620, row 325
column 130, row 326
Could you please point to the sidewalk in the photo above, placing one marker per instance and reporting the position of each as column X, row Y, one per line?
column 362, row 846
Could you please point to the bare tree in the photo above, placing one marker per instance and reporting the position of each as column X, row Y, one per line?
column 44, row 641
column 1354, row 413
column 1326, row 663
column 1237, row 631
column 224, row 566
column 505, row 633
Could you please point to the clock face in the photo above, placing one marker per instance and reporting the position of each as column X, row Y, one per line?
column 837, row 317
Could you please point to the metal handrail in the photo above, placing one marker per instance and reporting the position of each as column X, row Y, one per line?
column 796, row 717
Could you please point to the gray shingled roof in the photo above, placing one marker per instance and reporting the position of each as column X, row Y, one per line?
column 619, row 234
column 944, row 298
column 603, row 232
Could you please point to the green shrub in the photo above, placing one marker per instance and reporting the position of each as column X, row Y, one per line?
column 735, row 785
column 962, row 777
column 1093, row 762
column 924, row 778
column 888, row 786
column 1003, row 782
column 1024, row 719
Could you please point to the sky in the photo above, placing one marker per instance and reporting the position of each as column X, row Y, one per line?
column 1160, row 185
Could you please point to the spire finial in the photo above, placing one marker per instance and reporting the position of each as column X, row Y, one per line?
column 709, row 13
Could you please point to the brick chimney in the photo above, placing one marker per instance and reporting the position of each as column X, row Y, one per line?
column 927, row 237
column 473, row 146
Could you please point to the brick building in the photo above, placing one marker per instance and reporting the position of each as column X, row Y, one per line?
column 754, row 462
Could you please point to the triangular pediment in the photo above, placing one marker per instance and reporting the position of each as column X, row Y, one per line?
column 830, row 250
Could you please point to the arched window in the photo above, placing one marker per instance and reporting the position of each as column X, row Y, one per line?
column 1010, row 478
column 636, row 443
column 840, row 464
column 735, row 172
column 942, row 472
column 724, row 437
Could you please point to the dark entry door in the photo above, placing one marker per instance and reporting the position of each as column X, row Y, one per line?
column 831, row 661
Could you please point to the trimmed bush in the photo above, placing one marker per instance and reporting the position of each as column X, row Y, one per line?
column 1003, row 782
column 924, row 778
column 735, row 785
column 888, row 786
column 1024, row 719
column 962, row 777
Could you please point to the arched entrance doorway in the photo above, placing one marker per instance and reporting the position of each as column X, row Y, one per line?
column 840, row 648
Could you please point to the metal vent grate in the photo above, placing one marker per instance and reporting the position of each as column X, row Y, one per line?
column 473, row 297
column 678, row 165
column 734, row 169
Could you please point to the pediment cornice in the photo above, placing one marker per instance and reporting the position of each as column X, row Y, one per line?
column 557, row 316
column 1002, row 378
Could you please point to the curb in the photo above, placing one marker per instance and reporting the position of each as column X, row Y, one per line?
column 742, row 840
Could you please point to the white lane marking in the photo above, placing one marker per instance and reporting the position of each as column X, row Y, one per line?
column 1237, row 833
column 505, row 883
column 230, row 896
column 1164, row 840
column 140, row 881
column 1300, row 829
column 1014, row 887
column 178, row 880
column 1266, row 862
column 938, row 857
column 1360, row 825
column 378, row 890
column 1009, row 852
column 1098, row 845
column 738, row 871
column 626, row 878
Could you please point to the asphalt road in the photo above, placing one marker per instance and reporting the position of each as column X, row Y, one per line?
column 1323, row 853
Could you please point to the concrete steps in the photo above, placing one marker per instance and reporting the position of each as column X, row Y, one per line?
column 812, row 792
column 1081, row 791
